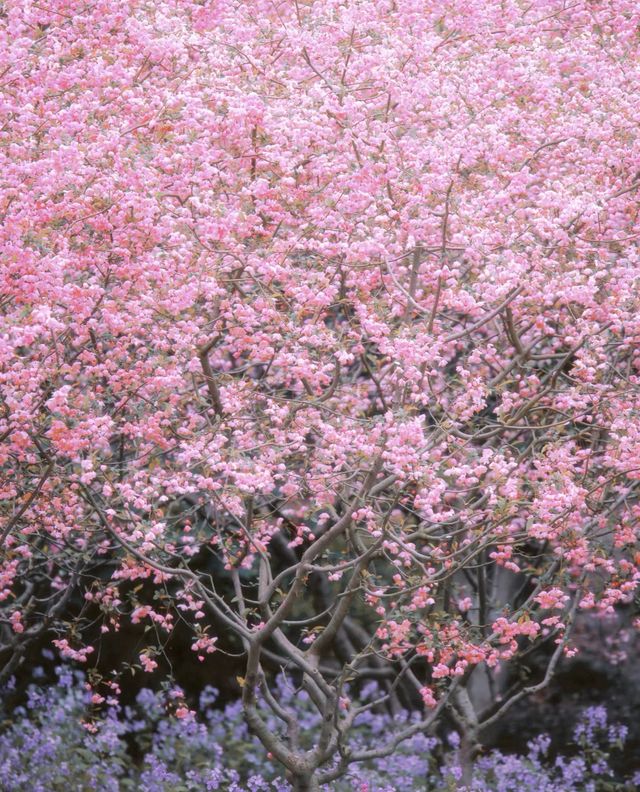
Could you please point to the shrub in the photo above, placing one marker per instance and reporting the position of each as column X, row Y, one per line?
column 56, row 741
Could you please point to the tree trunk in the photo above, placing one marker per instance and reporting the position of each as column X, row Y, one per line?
column 305, row 784
column 466, row 756
column 466, row 718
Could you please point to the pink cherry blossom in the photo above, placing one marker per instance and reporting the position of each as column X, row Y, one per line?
column 319, row 336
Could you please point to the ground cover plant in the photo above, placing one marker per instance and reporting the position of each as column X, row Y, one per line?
column 319, row 343
column 55, row 742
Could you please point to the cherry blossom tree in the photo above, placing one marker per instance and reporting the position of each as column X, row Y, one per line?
column 320, row 320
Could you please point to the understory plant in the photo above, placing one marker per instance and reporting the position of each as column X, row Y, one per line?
column 58, row 740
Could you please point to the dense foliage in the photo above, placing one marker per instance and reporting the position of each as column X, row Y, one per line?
column 320, row 338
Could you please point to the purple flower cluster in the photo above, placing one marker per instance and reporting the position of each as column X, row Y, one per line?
column 587, row 769
column 51, row 742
